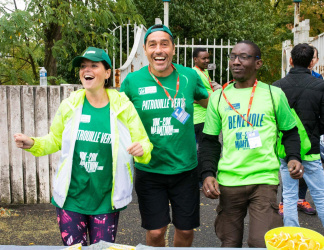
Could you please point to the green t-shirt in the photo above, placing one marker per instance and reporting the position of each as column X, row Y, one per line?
column 239, row 164
column 199, row 111
column 91, row 178
column 174, row 143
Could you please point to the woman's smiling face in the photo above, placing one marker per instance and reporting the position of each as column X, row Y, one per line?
column 93, row 74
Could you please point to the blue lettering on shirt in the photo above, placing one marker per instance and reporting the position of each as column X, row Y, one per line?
column 238, row 135
column 236, row 121
column 241, row 143
column 235, row 105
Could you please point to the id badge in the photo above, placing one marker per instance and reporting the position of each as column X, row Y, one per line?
column 181, row 115
column 254, row 139
column 85, row 118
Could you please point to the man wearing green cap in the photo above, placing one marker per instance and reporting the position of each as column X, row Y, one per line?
column 163, row 94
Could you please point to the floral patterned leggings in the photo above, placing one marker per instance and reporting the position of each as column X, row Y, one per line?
column 74, row 227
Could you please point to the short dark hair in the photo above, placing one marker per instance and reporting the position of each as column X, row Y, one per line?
column 256, row 49
column 197, row 51
column 108, row 82
column 302, row 55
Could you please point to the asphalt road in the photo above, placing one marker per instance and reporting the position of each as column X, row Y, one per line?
column 36, row 225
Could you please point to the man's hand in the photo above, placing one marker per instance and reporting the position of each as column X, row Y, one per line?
column 135, row 149
column 296, row 169
column 23, row 141
column 211, row 188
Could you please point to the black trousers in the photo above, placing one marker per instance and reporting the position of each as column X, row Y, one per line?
column 199, row 131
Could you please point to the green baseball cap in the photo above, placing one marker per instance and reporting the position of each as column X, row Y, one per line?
column 92, row 54
column 157, row 27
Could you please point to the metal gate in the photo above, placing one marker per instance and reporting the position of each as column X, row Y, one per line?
column 136, row 59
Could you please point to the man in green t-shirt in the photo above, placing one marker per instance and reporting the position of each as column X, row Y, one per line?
column 201, row 59
column 249, row 113
column 163, row 94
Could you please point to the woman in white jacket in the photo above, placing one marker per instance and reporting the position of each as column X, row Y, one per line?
column 98, row 132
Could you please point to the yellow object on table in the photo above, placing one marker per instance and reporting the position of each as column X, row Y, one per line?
column 74, row 247
column 293, row 238
column 120, row 247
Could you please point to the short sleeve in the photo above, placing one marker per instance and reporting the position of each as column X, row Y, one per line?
column 200, row 90
column 213, row 122
column 286, row 120
column 124, row 87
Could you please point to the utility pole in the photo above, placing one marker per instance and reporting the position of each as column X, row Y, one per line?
column 166, row 12
column 297, row 12
column 15, row 4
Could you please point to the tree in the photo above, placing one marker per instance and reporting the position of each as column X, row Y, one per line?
column 267, row 23
column 231, row 19
column 51, row 32
column 310, row 9
column 18, row 50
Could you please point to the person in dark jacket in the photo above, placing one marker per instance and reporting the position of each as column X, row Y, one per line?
column 305, row 94
column 302, row 204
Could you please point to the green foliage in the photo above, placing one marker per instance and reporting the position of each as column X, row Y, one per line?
column 267, row 23
column 51, row 33
column 313, row 10
column 19, row 50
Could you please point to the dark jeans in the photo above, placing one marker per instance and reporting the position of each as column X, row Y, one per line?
column 302, row 189
column 260, row 201
column 199, row 131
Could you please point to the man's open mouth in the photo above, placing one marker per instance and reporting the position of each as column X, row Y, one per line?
column 159, row 58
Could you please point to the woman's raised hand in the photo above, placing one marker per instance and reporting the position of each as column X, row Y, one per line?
column 23, row 141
